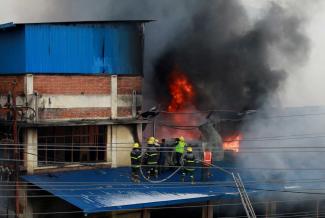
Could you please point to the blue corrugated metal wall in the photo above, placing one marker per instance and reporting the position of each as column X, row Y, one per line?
column 12, row 51
column 112, row 48
column 84, row 48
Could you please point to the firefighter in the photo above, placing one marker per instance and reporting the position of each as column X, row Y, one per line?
column 135, row 162
column 206, row 162
column 179, row 149
column 151, row 157
column 189, row 165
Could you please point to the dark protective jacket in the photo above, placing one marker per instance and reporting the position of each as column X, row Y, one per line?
column 152, row 155
column 136, row 157
column 189, row 161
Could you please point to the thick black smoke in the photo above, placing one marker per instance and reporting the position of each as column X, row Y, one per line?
column 228, row 58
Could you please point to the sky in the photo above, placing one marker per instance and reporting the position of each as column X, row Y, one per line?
column 304, row 87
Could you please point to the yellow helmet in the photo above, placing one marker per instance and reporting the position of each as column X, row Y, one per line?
column 189, row 149
column 136, row 145
column 151, row 140
column 181, row 139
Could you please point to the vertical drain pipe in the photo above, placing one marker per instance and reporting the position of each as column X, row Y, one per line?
column 134, row 104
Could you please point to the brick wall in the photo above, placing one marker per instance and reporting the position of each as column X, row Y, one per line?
column 6, row 84
column 126, row 84
column 124, row 111
column 73, row 85
column 74, row 113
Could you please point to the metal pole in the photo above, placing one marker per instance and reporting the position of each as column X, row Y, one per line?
column 15, row 136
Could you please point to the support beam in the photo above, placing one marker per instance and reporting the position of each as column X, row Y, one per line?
column 109, row 144
column 28, row 84
column 317, row 208
column 134, row 104
column 207, row 210
column 146, row 213
column 270, row 210
column 26, row 207
column 31, row 149
column 29, row 93
column 114, row 98
column 114, row 145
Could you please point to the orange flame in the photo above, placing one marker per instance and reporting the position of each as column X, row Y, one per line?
column 181, row 91
column 232, row 143
column 182, row 95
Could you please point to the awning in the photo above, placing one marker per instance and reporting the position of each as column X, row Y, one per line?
column 103, row 190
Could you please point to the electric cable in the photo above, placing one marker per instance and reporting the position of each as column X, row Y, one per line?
column 189, row 206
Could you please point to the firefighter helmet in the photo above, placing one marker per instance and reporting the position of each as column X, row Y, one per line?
column 136, row 145
column 189, row 149
column 182, row 138
column 151, row 140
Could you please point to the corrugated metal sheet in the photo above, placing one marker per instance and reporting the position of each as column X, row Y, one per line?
column 12, row 51
column 82, row 48
column 104, row 190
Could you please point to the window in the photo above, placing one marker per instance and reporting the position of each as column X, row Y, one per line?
column 64, row 145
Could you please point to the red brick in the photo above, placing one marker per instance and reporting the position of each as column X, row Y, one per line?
column 126, row 84
column 74, row 113
column 124, row 111
column 6, row 84
column 72, row 84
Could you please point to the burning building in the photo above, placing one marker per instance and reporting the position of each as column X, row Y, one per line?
column 70, row 97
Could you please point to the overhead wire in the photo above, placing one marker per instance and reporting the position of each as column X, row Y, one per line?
column 288, row 214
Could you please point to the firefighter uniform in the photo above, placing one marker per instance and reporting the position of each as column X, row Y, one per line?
column 189, row 165
column 179, row 150
column 135, row 162
column 151, row 157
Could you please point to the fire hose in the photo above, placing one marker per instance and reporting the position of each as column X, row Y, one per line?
column 177, row 170
column 165, row 179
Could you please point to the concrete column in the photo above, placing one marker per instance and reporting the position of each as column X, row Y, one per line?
column 27, row 209
column 114, row 96
column 28, row 84
column 120, row 139
column 114, row 145
column 109, row 144
column 29, row 93
column 270, row 209
column 31, row 149
column 207, row 210
column 134, row 104
column 146, row 213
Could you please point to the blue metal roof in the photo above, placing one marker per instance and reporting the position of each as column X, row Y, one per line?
column 72, row 48
column 103, row 190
